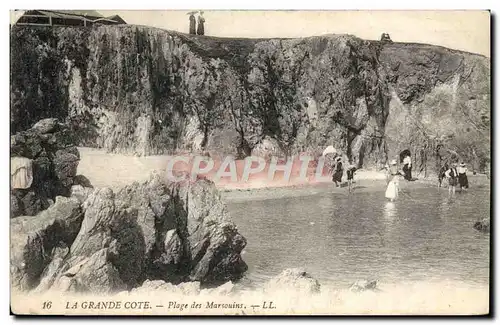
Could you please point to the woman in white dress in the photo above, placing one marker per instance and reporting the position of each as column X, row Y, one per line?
column 392, row 190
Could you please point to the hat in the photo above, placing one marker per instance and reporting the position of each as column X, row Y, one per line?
column 393, row 162
column 462, row 164
column 338, row 158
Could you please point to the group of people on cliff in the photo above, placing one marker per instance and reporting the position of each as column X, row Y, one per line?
column 193, row 30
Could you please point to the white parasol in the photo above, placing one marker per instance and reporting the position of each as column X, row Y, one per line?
column 329, row 150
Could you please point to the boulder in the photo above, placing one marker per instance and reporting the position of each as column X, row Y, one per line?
column 158, row 286
column 15, row 209
column 170, row 232
column 44, row 160
column 82, row 180
column 222, row 290
column 293, row 280
column 94, row 274
column 214, row 241
column 187, row 231
column 363, row 285
column 48, row 276
column 47, row 125
column 483, row 225
column 114, row 230
column 80, row 192
column 33, row 239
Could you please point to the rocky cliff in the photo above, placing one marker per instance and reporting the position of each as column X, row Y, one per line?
column 143, row 90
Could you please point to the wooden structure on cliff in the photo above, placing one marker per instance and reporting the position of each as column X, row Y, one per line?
column 67, row 18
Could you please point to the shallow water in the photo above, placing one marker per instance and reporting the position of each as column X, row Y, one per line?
column 340, row 238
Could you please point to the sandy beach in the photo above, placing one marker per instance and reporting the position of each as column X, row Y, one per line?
column 117, row 170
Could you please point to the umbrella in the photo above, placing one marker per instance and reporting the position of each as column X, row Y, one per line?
column 192, row 12
column 329, row 149
column 403, row 154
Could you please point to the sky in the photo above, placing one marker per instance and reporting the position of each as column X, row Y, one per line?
column 462, row 30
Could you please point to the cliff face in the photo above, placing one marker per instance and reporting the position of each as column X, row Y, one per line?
column 148, row 91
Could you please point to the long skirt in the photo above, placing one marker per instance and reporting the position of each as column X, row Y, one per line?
column 407, row 171
column 463, row 180
column 201, row 29
column 337, row 176
column 392, row 190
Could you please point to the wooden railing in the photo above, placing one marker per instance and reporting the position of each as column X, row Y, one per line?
column 50, row 21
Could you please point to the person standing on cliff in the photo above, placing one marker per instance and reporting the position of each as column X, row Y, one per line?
column 192, row 23
column 201, row 24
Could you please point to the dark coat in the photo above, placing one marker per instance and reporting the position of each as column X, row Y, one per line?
column 192, row 25
column 201, row 26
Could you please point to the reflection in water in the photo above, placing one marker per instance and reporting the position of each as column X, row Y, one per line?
column 340, row 239
column 390, row 211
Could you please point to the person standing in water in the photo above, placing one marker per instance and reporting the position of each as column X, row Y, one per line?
column 338, row 171
column 452, row 176
column 392, row 191
column 441, row 173
column 407, row 168
column 350, row 175
column 201, row 24
column 192, row 23
column 462, row 176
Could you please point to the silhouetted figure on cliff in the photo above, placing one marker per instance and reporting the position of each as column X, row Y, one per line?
column 201, row 24
column 385, row 38
column 192, row 23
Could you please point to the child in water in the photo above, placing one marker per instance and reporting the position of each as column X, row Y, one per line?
column 337, row 172
column 392, row 190
column 452, row 176
column 350, row 175
column 441, row 174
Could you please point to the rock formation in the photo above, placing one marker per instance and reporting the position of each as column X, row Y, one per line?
column 39, row 244
column 171, row 232
column 294, row 280
column 363, row 285
column 143, row 90
column 54, row 160
column 483, row 225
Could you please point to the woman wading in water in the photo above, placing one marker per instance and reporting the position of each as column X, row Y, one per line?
column 452, row 176
column 462, row 176
column 338, row 171
column 392, row 190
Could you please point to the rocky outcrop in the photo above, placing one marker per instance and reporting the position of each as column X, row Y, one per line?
column 156, row 231
column 293, row 280
column 160, row 286
column 187, row 230
column 483, row 225
column 54, row 161
column 363, row 285
column 38, row 245
column 146, row 91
